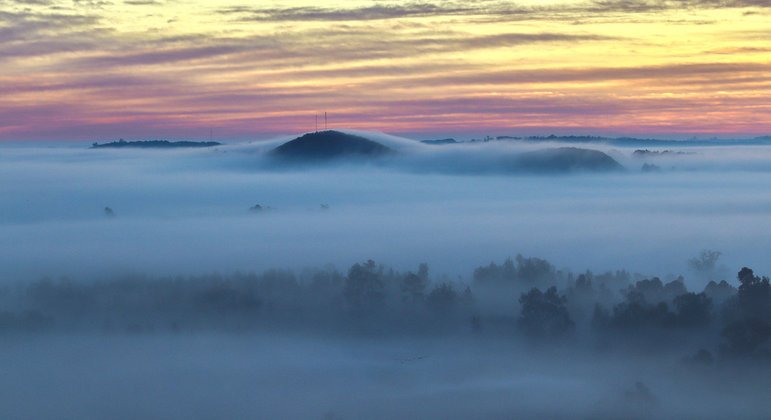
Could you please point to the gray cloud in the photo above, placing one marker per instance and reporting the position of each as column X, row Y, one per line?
column 376, row 12
column 142, row 2
column 677, row 71
column 499, row 9
column 33, row 2
column 164, row 56
column 643, row 6
column 302, row 48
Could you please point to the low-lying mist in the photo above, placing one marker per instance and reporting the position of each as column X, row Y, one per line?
column 214, row 283
column 520, row 338
column 187, row 212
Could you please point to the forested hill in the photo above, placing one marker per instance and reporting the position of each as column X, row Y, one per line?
column 153, row 144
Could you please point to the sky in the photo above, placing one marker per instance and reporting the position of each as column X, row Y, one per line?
column 94, row 70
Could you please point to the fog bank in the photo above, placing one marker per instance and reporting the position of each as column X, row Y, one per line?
column 217, row 283
column 187, row 211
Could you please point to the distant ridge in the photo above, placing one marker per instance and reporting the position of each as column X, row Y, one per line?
column 440, row 141
column 638, row 142
column 153, row 144
column 329, row 145
column 567, row 159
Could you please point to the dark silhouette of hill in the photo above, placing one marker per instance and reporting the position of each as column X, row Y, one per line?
column 328, row 145
column 153, row 144
column 567, row 159
column 440, row 141
column 643, row 153
column 638, row 142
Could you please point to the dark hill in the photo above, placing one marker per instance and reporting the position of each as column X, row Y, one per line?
column 154, row 144
column 329, row 145
column 439, row 142
column 567, row 159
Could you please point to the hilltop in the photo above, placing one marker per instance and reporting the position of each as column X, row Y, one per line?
column 329, row 145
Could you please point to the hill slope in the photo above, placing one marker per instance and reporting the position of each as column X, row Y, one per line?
column 329, row 145
column 567, row 159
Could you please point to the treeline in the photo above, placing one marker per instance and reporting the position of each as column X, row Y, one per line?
column 153, row 144
column 525, row 297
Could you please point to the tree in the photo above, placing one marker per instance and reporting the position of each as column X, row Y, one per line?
column 493, row 274
column 748, row 335
column 705, row 263
column 647, row 290
column 544, row 314
column 754, row 294
column 534, row 269
column 443, row 299
column 675, row 288
column 719, row 292
column 693, row 309
column 364, row 290
column 413, row 286
column 636, row 313
column 527, row 271
column 583, row 285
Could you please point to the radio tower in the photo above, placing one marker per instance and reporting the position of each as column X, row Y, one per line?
column 325, row 120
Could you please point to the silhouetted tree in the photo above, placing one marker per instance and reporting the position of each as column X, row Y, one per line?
column 754, row 294
column 636, row 313
column 648, row 290
column 443, row 299
column 693, row 309
column 719, row 292
column 413, row 286
column 748, row 334
column 494, row 274
column 364, row 289
column 527, row 271
column 534, row 270
column 674, row 288
column 705, row 263
column 544, row 314
column 583, row 285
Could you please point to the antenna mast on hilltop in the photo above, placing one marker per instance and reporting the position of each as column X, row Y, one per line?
column 317, row 122
column 325, row 120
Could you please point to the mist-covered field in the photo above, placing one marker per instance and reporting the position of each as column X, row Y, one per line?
column 217, row 283
column 278, row 376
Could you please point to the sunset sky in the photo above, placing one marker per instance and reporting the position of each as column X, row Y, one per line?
column 100, row 70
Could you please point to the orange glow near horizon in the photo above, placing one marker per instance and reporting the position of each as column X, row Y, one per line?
column 176, row 69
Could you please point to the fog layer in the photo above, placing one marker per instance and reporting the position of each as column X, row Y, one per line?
column 188, row 211
column 216, row 283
